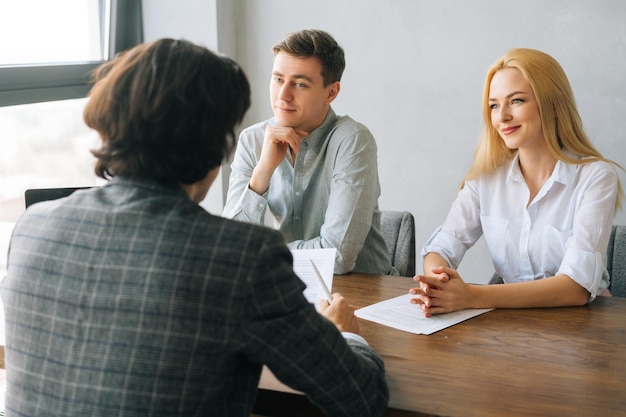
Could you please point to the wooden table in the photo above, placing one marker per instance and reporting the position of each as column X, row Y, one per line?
column 568, row 361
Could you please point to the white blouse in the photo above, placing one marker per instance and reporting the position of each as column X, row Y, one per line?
column 564, row 230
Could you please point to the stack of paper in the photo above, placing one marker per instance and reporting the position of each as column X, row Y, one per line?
column 305, row 263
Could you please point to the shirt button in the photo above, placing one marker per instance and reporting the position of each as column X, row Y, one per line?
column 298, row 193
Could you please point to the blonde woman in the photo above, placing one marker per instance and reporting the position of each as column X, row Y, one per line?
column 538, row 191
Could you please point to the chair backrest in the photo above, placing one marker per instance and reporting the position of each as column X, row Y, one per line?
column 616, row 261
column 398, row 228
column 35, row 195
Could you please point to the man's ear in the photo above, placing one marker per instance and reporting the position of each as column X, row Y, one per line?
column 333, row 91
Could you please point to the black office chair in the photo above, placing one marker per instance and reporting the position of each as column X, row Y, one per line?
column 35, row 195
column 615, row 262
column 398, row 228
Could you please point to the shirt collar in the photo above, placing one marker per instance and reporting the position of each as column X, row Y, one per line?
column 563, row 172
column 515, row 173
column 316, row 139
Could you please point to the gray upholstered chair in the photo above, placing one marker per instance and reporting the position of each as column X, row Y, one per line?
column 615, row 262
column 398, row 228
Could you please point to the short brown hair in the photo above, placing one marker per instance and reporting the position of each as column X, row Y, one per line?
column 319, row 44
column 166, row 111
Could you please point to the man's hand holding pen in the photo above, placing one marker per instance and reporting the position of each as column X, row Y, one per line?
column 340, row 312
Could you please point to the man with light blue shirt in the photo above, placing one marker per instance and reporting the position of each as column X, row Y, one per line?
column 316, row 171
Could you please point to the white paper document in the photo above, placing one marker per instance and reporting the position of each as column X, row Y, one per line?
column 304, row 263
column 400, row 314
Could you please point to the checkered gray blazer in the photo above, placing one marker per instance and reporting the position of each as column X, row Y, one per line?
column 131, row 300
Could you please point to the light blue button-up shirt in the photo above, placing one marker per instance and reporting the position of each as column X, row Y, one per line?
column 564, row 230
column 327, row 199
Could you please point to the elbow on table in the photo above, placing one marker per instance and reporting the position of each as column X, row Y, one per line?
column 343, row 264
column 340, row 269
column 579, row 297
column 570, row 293
column 581, row 300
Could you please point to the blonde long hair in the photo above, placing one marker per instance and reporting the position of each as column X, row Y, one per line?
column 560, row 121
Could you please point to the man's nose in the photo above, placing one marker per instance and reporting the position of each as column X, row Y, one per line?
column 285, row 93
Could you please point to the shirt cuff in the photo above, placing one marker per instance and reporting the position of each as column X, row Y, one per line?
column 354, row 337
column 445, row 245
column 253, row 203
column 585, row 268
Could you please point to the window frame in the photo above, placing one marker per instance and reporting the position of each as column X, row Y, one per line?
column 24, row 84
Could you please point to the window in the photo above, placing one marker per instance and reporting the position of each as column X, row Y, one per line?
column 44, row 145
column 75, row 35
column 47, row 49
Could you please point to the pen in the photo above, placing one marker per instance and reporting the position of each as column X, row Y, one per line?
column 329, row 298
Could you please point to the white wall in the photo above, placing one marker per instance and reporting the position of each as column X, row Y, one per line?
column 414, row 76
column 196, row 21
column 415, row 71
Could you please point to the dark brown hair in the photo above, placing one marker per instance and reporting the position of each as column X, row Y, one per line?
column 166, row 110
column 319, row 44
